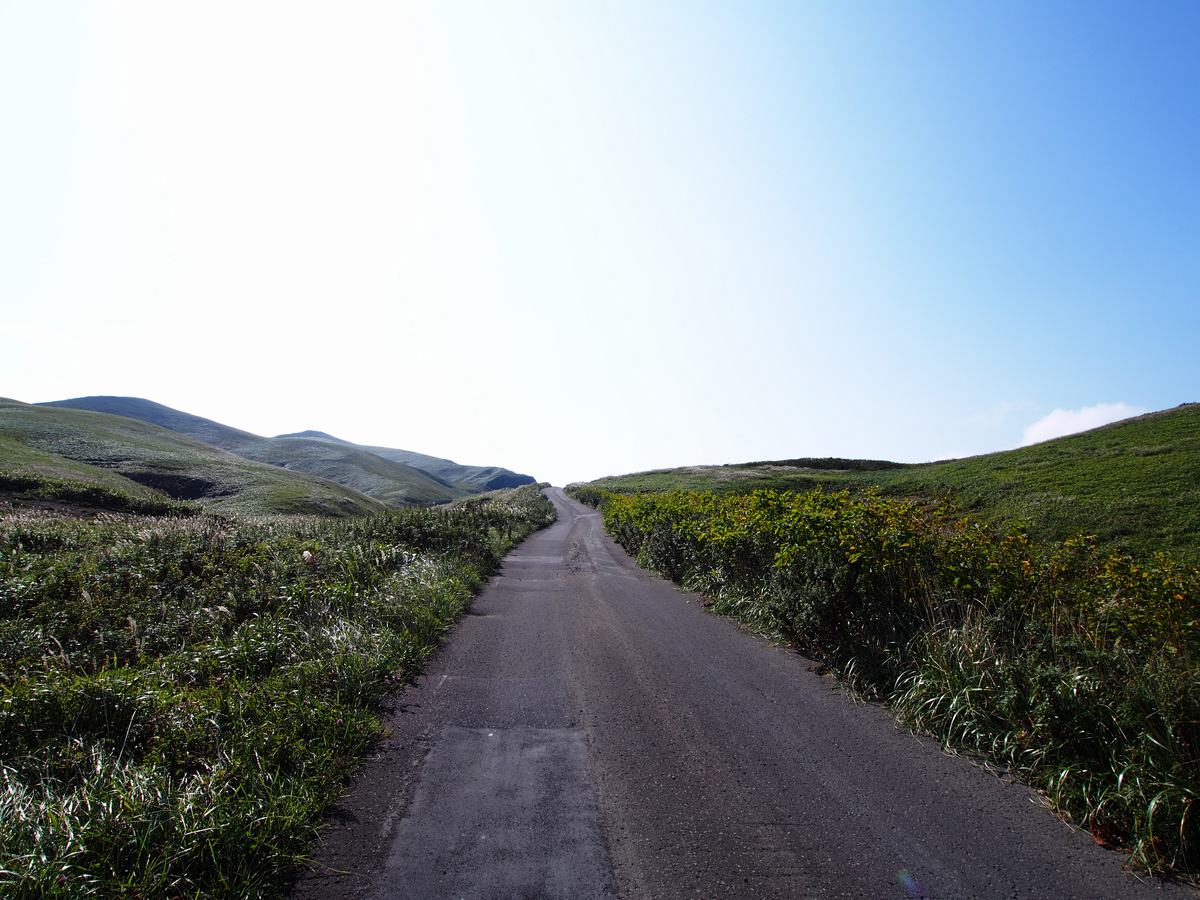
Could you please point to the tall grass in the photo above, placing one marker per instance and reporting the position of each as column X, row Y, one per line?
column 181, row 698
column 1075, row 667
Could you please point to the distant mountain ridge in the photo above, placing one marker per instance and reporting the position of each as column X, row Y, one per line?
column 145, row 460
column 382, row 473
column 480, row 478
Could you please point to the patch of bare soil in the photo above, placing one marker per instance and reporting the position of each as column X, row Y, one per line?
column 353, row 845
column 10, row 500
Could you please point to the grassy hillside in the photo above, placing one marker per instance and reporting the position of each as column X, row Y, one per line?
column 20, row 459
column 470, row 479
column 1134, row 484
column 123, row 454
column 196, row 427
column 390, row 483
column 394, row 477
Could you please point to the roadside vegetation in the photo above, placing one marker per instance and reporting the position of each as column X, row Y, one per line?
column 182, row 695
column 1135, row 485
column 1069, row 661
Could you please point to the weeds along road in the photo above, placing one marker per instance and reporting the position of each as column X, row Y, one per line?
column 588, row 731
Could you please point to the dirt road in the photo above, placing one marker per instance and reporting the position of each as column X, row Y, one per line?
column 588, row 731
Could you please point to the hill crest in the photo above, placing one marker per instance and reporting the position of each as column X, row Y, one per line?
column 385, row 474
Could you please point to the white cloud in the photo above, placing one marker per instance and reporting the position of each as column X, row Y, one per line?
column 1071, row 421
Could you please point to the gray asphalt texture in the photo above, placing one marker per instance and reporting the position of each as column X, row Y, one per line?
column 589, row 731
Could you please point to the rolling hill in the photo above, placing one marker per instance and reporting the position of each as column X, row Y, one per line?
column 470, row 479
column 136, row 457
column 384, row 474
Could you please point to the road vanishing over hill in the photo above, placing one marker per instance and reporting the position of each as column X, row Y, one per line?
column 588, row 731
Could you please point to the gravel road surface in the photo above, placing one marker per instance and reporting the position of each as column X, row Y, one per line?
column 588, row 731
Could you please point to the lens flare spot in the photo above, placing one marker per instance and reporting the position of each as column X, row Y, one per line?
column 913, row 889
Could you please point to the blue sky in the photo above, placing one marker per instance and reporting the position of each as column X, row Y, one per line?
column 579, row 238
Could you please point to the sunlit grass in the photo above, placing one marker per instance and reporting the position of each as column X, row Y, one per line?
column 181, row 698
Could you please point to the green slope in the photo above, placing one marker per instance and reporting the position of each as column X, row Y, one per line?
column 16, row 457
column 471, row 479
column 389, row 481
column 1134, row 484
column 122, row 454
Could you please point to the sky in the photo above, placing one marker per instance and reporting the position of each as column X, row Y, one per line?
column 580, row 238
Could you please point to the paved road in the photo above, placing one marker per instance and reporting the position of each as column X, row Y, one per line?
column 588, row 731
